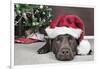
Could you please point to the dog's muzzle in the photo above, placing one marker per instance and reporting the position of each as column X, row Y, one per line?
column 65, row 54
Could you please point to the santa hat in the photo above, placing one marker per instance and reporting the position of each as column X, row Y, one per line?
column 69, row 24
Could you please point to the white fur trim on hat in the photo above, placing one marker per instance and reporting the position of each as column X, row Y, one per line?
column 84, row 47
column 54, row 32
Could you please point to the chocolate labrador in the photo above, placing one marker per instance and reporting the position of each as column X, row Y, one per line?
column 63, row 46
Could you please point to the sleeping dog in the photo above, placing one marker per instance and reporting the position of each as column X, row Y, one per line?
column 63, row 46
column 65, row 38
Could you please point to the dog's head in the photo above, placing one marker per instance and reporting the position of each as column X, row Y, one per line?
column 64, row 47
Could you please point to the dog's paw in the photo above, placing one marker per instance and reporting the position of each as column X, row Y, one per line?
column 42, row 51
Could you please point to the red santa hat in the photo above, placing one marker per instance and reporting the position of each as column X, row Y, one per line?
column 69, row 24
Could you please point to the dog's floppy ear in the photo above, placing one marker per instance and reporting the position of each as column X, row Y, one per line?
column 53, row 46
column 49, row 42
column 77, row 40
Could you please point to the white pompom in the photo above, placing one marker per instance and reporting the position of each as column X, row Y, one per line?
column 84, row 47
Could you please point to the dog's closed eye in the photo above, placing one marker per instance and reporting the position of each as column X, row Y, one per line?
column 58, row 39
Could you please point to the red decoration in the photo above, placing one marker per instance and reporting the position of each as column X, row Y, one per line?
column 24, row 40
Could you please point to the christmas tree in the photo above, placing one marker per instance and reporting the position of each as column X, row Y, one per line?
column 33, row 16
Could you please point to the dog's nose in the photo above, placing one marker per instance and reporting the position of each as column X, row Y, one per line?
column 65, row 51
column 65, row 54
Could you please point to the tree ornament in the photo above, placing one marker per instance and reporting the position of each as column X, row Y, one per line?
column 41, row 6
